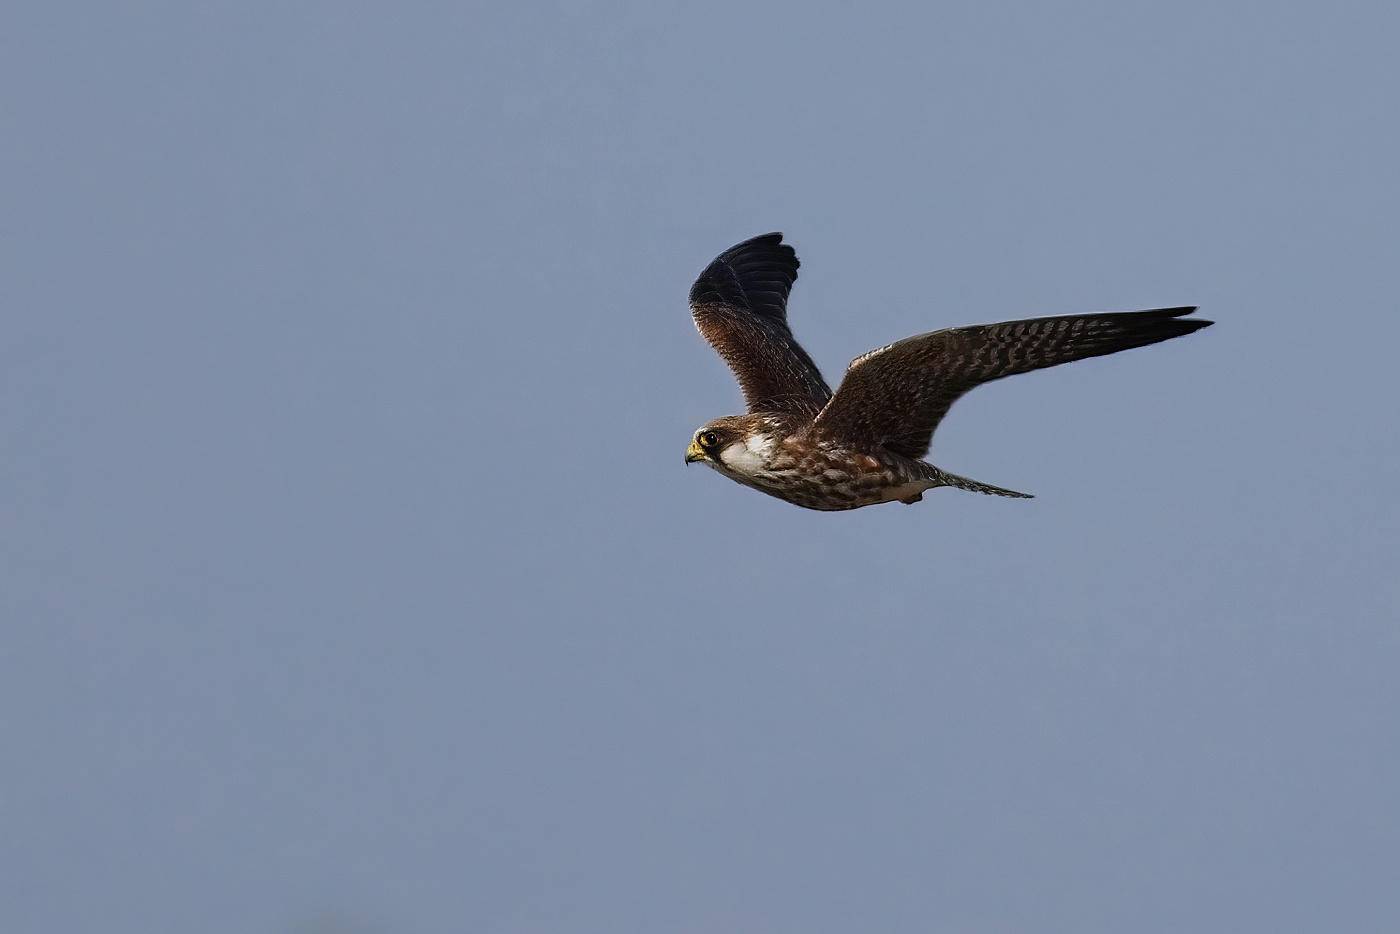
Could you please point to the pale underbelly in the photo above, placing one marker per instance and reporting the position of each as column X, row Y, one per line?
column 827, row 493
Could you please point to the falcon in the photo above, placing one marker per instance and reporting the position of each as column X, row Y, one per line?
column 865, row 443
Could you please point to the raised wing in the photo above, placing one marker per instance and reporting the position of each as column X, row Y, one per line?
column 740, row 306
column 897, row 395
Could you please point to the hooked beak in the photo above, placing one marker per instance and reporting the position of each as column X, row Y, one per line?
column 694, row 453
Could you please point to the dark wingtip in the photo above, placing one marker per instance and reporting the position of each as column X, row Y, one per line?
column 757, row 273
column 1182, row 312
column 1172, row 322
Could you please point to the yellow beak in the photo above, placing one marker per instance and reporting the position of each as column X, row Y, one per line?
column 694, row 453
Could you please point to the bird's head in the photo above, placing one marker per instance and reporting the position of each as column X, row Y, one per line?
column 736, row 444
column 709, row 441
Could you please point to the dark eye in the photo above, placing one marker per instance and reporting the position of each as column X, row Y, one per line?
column 708, row 439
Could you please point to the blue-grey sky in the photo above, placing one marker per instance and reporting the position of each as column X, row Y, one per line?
column 353, row 582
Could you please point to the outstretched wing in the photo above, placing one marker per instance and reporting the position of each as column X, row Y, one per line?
column 740, row 306
column 897, row 395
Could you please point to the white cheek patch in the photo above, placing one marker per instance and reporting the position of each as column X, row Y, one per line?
column 760, row 445
column 739, row 458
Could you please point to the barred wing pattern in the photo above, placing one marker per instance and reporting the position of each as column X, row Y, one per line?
column 740, row 306
column 897, row 395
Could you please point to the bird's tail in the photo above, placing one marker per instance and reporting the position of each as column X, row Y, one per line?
column 963, row 483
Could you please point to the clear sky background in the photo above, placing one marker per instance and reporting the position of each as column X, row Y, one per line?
column 352, row 580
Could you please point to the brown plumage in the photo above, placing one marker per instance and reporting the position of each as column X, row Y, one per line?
column 864, row 444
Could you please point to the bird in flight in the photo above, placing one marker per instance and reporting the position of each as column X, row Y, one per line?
column 865, row 443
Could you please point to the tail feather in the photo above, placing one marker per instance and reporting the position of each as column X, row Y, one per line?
column 963, row 483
